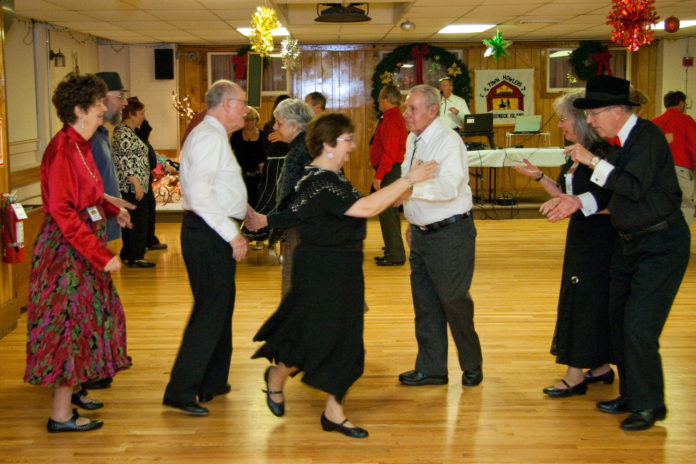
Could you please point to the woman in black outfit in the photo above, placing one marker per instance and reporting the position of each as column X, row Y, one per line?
column 247, row 145
column 581, row 339
column 318, row 327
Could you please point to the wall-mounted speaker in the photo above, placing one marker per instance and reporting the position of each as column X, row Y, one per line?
column 164, row 63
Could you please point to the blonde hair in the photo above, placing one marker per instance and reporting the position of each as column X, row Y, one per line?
column 252, row 114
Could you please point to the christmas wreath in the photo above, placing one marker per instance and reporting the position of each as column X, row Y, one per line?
column 239, row 62
column 392, row 63
column 589, row 59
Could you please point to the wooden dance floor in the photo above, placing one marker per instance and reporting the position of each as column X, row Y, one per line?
column 507, row 419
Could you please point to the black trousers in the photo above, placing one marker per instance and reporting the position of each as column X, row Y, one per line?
column 150, row 238
column 203, row 363
column 390, row 222
column 442, row 267
column 645, row 276
column 134, row 239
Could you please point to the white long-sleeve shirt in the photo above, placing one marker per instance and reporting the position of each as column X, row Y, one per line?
column 211, row 179
column 449, row 192
column 451, row 120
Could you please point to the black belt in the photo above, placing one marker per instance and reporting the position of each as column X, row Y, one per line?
column 188, row 212
column 662, row 225
column 445, row 222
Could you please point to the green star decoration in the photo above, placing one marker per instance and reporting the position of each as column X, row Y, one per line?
column 496, row 46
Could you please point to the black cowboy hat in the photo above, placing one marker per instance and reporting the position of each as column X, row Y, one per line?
column 112, row 80
column 605, row 90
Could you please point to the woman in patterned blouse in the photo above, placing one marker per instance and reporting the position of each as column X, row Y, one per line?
column 133, row 170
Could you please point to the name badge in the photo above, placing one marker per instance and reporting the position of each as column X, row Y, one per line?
column 94, row 214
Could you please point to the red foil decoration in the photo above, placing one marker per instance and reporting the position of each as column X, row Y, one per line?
column 672, row 24
column 631, row 20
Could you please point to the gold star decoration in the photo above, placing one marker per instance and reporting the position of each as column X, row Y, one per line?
column 386, row 77
column 454, row 70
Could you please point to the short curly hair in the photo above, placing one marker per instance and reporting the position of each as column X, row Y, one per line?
column 134, row 105
column 76, row 90
column 326, row 128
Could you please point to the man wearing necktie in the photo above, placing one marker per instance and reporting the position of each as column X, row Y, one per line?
column 442, row 239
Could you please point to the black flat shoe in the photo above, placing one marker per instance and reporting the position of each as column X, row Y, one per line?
column 472, row 377
column 607, row 377
column 205, row 397
column 617, row 406
column 578, row 389
column 643, row 419
column 71, row 425
column 278, row 409
column 158, row 246
column 140, row 263
column 192, row 408
column 98, row 384
column 89, row 405
column 415, row 379
column 352, row 432
column 380, row 258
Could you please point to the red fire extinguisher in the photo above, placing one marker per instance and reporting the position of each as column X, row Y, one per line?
column 12, row 230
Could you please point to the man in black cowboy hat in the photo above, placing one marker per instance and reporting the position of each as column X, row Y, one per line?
column 651, row 256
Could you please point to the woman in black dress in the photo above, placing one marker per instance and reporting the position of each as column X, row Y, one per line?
column 581, row 339
column 247, row 145
column 318, row 326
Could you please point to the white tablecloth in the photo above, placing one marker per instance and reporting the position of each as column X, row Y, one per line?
column 502, row 157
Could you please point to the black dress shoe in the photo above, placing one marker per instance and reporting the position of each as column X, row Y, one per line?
column 642, row 419
column 71, row 425
column 380, row 258
column 577, row 389
column 617, row 406
column 205, row 397
column 607, row 377
column 158, row 246
column 89, row 405
column 388, row 262
column 352, row 432
column 415, row 379
column 472, row 377
column 192, row 408
column 98, row 384
column 278, row 409
column 140, row 263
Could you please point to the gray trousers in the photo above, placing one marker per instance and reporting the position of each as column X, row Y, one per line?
column 442, row 266
column 390, row 223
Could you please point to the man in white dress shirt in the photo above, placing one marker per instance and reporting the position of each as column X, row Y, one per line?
column 214, row 198
column 452, row 108
column 442, row 238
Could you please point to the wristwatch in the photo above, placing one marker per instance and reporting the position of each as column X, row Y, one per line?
column 594, row 161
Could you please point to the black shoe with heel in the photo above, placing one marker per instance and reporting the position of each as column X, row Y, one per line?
column 71, row 425
column 90, row 405
column 352, row 432
column 607, row 377
column 278, row 409
column 578, row 389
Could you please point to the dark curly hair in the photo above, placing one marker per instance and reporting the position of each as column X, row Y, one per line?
column 134, row 105
column 326, row 128
column 76, row 90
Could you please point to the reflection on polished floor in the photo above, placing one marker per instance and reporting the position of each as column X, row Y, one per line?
column 507, row 419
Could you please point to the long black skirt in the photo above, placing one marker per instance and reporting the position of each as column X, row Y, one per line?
column 318, row 326
column 582, row 335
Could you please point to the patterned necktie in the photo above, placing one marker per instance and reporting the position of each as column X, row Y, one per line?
column 615, row 141
column 413, row 154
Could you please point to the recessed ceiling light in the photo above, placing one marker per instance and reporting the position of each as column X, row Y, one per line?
column 682, row 24
column 246, row 31
column 465, row 28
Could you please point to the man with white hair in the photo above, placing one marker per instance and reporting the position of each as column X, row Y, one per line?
column 442, row 238
column 214, row 200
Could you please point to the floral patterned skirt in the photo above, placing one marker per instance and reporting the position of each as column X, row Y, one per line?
column 76, row 327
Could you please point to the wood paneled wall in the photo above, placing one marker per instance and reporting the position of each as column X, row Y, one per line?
column 343, row 73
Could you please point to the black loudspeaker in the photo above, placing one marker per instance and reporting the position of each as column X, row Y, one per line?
column 164, row 63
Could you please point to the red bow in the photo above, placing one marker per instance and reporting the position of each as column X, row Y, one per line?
column 239, row 64
column 418, row 52
column 602, row 60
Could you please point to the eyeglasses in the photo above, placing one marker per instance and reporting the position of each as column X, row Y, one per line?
column 116, row 94
column 594, row 114
column 349, row 139
column 563, row 119
column 244, row 102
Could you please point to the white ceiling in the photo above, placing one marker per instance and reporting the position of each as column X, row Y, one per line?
column 211, row 22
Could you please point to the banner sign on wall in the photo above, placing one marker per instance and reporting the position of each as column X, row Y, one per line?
column 506, row 93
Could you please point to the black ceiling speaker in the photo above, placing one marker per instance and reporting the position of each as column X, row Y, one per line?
column 337, row 13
